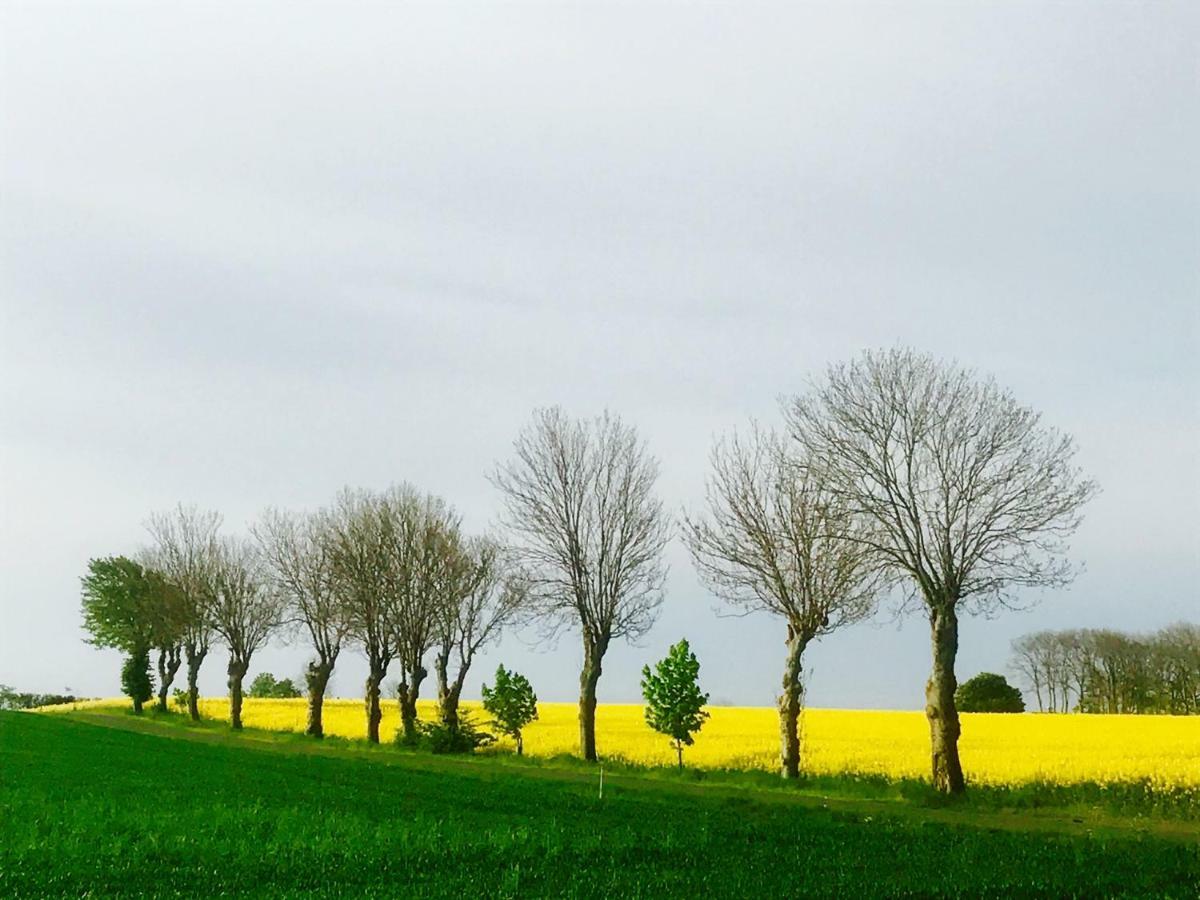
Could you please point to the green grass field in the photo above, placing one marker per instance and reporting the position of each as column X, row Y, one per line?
column 88, row 808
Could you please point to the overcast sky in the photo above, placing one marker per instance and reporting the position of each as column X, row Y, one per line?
column 251, row 255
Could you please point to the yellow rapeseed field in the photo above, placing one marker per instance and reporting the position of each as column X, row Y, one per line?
column 996, row 749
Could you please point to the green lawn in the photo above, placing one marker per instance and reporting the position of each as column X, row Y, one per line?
column 91, row 809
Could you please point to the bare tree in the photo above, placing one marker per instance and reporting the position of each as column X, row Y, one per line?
column 1109, row 671
column 362, row 566
column 425, row 540
column 1179, row 647
column 586, row 527
column 484, row 595
column 170, row 627
column 974, row 497
column 1027, row 663
column 299, row 551
column 185, row 549
column 244, row 609
column 775, row 539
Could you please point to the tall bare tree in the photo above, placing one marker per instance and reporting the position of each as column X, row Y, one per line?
column 361, row 552
column 245, row 608
column 299, row 551
column 170, row 618
column 484, row 595
column 185, row 549
column 973, row 496
column 425, row 557
column 775, row 539
column 1027, row 661
column 589, row 532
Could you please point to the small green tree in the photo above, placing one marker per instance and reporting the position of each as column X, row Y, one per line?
column 263, row 685
column 122, row 609
column 674, row 701
column 266, row 685
column 511, row 703
column 136, row 682
column 988, row 692
column 285, row 689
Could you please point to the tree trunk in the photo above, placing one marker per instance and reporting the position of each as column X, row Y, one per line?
column 195, row 656
column 374, row 713
column 449, row 705
column 410, row 689
column 441, row 670
column 520, row 745
column 791, row 701
column 137, row 705
column 679, row 753
column 316, row 680
column 168, row 665
column 237, row 671
column 589, row 677
column 939, row 702
column 448, row 692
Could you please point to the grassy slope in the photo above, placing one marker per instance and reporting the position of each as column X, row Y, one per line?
column 109, row 810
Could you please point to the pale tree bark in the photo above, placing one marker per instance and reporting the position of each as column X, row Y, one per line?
column 588, row 533
column 973, row 498
column 944, row 728
column 449, row 695
column 791, row 704
column 594, row 648
column 775, row 538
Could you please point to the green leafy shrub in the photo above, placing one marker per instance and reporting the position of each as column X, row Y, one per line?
column 136, row 682
column 265, row 685
column 438, row 737
column 512, row 704
column 988, row 692
column 674, row 701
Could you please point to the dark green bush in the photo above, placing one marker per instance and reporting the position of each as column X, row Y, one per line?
column 439, row 737
column 988, row 692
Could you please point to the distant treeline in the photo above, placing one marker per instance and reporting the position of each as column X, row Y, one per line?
column 1103, row 671
column 10, row 699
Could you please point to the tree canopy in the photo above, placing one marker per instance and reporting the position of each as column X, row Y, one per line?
column 511, row 703
column 674, row 701
column 988, row 692
column 123, row 604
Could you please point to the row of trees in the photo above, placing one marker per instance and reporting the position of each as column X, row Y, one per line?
column 390, row 572
column 893, row 471
column 14, row 699
column 1103, row 671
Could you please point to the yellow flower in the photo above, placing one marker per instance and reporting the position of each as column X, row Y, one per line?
column 996, row 749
